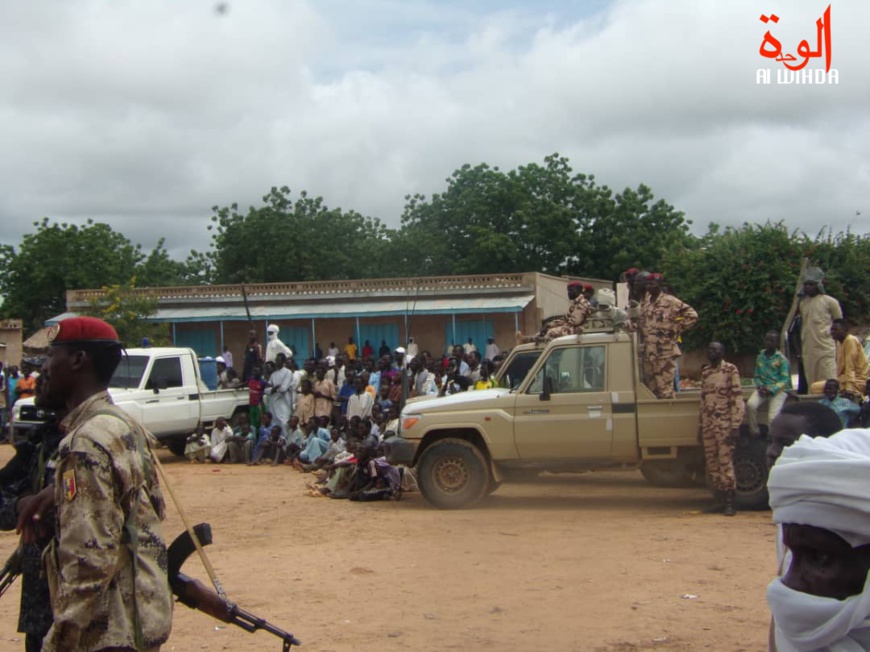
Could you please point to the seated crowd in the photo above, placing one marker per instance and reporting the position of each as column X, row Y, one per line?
column 331, row 417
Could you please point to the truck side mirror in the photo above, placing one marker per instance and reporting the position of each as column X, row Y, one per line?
column 548, row 388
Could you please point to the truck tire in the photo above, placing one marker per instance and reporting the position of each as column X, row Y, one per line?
column 666, row 473
column 177, row 445
column 750, row 468
column 452, row 474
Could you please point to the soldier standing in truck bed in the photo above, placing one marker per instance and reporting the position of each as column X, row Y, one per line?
column 663, row 318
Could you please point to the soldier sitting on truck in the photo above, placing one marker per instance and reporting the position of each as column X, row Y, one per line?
column 573, row 323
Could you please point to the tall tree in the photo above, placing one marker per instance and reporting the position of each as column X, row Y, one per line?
column 57, row 258
column 537, row 217
column 302, row 240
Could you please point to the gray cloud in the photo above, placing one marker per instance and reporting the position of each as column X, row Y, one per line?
column 145, row 115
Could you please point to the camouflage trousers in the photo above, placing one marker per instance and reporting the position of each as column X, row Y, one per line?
column 719, row 456
column 658, row 373
column 558, row 329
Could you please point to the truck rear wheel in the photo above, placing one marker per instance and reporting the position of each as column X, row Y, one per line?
column 453, row 473
column 750, row 468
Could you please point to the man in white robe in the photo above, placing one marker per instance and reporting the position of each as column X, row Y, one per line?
column 274, row 346
column 279, row 392
column 818, row 311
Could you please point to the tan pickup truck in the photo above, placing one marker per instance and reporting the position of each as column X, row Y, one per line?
column 574, row 404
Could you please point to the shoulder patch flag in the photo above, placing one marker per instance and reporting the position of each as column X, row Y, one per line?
column 69, row 485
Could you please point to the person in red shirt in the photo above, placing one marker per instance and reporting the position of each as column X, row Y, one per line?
column 256, row 387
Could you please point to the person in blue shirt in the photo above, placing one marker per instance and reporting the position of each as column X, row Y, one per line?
column 844, row 408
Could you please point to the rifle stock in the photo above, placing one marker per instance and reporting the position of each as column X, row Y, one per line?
column 196, row 595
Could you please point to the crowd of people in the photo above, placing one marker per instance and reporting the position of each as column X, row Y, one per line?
column 332, row 415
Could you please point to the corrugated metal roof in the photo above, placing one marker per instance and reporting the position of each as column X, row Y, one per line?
column 428, row 306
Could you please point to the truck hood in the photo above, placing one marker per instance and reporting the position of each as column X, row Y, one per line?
column 461, row 401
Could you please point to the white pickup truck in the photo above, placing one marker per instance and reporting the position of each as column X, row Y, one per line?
column 163, row 389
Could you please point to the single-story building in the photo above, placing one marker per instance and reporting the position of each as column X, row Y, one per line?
column 435, row 311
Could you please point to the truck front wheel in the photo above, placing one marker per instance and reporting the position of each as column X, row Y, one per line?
column 453, row 473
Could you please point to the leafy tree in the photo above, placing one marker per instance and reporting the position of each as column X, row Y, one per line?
column 57, row 258
column 129, row 312
column 740, row 280
column 537, row 217
column 285, row 240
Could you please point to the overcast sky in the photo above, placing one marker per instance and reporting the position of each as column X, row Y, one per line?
column 146, row 114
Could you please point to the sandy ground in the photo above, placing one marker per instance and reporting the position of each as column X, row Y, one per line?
column 598, row 561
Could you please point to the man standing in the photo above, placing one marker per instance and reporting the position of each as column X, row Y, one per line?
column 771, row 383
column 350, row 349
column 325, row 393
column 663, row 318
column 278, row 391
column 721, row 414
column 818, row 310
column 360, row 403
column 253, row 356
column 491, row 350
column 851, row 360
column 573, row 323
column 275, row 346
column 107, row 564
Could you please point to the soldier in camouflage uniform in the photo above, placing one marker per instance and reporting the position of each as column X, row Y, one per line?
column 722, row 411
column 30, row 471
column 573, row 323
column 107, row 564
column 662, row 319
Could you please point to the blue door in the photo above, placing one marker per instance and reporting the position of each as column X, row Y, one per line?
column 374, row 333
column 299, row 338
column 479, row 330
column 204, row 342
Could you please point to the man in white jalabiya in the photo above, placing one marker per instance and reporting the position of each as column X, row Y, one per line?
column 820, row 493
column 279, row 391
column 275, row 346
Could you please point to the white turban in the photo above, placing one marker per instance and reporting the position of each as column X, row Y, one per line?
column 273, row 328
column 824, row 483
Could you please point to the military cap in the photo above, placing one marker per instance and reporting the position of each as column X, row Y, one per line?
column 575, row 284
column 83, row 330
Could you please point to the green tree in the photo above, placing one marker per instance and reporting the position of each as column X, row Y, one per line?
column 131, row 313
column 537, row 217
column 740, row 280
column 286, row 240
column 57, row 258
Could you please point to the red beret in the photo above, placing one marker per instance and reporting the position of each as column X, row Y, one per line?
column 575, row 284
column 78, row 330
column 631, row 271
column 588, row 288
column 655, row 276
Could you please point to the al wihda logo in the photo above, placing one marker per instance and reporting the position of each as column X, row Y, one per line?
column 794, row 70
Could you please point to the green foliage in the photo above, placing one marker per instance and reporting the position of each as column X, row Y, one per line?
column 57, row 258
column 285, row 240
column 537, row 217
column 129, row 312
column 740, row 281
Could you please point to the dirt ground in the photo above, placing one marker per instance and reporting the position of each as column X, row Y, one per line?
column 600, row 562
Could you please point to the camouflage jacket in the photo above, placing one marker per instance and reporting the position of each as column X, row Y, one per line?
column 661, row 322
column 722, row 403
column 107, row 566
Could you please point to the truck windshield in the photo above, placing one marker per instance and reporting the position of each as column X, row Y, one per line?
column 129, row 371
column 513, row 374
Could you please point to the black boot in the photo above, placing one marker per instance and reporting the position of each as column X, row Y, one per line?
column 729, row 503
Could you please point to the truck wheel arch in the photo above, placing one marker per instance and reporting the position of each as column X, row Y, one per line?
column 470, row 435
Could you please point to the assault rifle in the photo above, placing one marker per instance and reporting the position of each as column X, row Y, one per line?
column 11, row 569
column 196, row 595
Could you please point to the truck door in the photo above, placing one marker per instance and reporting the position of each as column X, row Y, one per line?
column 169, row 409
column 565, row 411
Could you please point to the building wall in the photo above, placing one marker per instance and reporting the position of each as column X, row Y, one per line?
column 11, row 337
